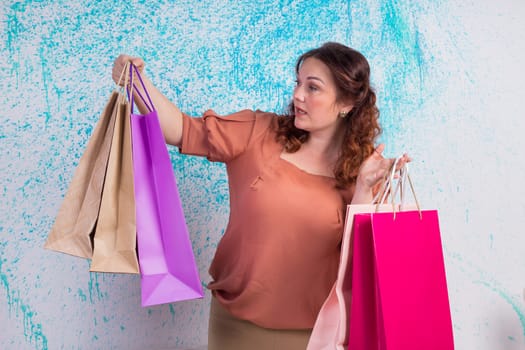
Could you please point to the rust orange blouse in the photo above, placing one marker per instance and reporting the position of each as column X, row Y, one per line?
column 278, row 258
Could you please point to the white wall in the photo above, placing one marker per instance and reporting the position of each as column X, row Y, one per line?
column 449, row 76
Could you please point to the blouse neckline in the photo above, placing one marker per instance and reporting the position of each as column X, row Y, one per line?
column 302, row 171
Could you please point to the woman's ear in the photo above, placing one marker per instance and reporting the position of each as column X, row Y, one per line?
column 346, row 109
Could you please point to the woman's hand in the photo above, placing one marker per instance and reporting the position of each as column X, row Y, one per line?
column 120, row 63
column 372, row 172
column 170, row 117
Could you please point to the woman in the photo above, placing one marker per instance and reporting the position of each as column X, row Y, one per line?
column 290, row 178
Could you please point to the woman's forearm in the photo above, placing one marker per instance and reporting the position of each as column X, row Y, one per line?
column 170, row 117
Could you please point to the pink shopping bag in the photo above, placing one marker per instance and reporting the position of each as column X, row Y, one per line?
column 167, row 264
column 399, row 289
column 331, row 331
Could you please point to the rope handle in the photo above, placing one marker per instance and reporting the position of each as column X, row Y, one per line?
column 388, row 184
column 131, row 87
column 120, row 87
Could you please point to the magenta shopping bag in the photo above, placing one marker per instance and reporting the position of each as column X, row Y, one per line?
column 167, row 264
column 399, row 289
column 331, row 328
column 364, row 319
column 331, row 331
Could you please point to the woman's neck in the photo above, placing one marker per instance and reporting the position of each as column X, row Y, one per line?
column 322, row 146
column 318, row 155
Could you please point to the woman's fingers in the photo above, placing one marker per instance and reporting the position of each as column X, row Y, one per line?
column 379, row 150
column 402, row 161
column 138, row 62
column 377, row 168
column 120, row 63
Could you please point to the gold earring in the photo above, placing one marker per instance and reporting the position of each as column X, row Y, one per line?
column 342, row 114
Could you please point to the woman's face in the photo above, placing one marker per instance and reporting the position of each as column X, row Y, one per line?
column 316, row 109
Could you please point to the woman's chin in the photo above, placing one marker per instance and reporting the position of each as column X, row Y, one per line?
column 298, row 124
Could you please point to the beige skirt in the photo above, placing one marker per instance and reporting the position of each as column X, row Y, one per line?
column 227, row 332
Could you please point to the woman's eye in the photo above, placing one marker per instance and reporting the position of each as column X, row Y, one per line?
column 312, row 88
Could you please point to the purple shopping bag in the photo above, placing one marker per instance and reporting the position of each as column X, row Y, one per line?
column 167, row 264
column 399, row 297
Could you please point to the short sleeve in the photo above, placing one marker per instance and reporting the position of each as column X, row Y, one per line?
column 222, row 138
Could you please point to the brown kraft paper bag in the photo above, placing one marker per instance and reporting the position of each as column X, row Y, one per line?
column 115, row 239
column 77, row 216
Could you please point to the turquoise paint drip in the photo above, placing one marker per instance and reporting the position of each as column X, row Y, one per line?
column 5, row 283
column 14, row 31
column 396, row 29
column 419, row 59
column 32, row 331
column 46, row 77
column 511, row 301
column 404, row 84
column 172, row 312
column 94, row 288
column 14, row 28
column 81, row 295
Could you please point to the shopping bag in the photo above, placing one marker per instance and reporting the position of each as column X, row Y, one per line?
column 399, row 290
column 73, row 227
column 330, row 330
column 365, row 313
column 115, row 242
column 331, row 326
column 399, row 295
column 167, row 264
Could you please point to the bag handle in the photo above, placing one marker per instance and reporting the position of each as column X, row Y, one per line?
column 382, row 194
column 405, row 175
column 120, row 87
column 403, row 178
column 133, row 70
column 122, row 76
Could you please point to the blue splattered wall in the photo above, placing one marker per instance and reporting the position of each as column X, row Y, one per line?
column 449, row 80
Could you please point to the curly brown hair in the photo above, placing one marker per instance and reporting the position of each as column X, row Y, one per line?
column 351, row 73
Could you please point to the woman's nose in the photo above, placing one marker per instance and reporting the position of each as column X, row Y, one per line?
column 298, row 94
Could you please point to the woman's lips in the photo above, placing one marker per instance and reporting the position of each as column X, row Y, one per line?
column 299, row 111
